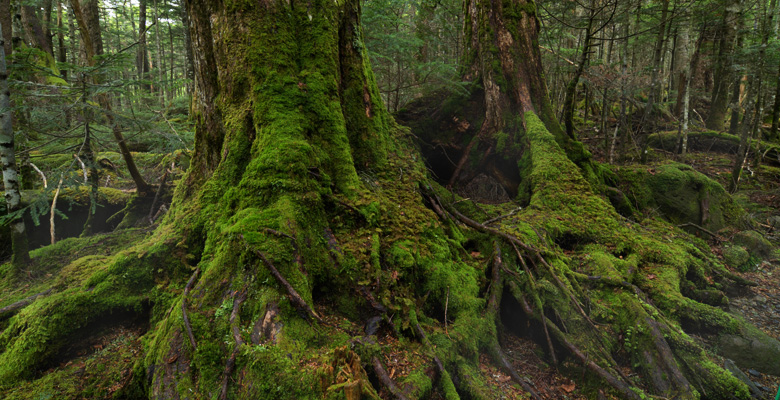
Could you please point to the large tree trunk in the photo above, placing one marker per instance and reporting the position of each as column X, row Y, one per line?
column 501, row 55
column 306, row 238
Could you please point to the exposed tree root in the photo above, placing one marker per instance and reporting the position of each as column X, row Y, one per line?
column 296, row 298
column 9, row 310
column 613, row 381
column 509, row 369
column 235, row 324
column 157, row 195
column 184, row 316
column 384, row 377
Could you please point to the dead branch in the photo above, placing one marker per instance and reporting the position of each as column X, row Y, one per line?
column 538, row 304
column 83, row 167
column 500, row 217
column 157, row 196
column 43, row 177
column 10, row 309
column 53, row 208
column 707, row 231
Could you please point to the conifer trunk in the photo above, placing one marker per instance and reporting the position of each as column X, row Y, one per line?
column 723, row 67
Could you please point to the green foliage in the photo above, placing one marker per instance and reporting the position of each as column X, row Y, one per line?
column 414, row 47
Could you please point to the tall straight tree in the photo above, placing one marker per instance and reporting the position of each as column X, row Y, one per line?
column 13, row 198
column 723, row 66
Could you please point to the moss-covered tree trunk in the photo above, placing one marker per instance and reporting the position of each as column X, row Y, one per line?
column 502, row 57
column 306, row 243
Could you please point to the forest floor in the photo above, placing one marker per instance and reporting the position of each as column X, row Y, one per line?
column 118, row 347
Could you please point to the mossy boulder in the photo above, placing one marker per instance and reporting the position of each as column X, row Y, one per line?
column 680, row 193
column 754, row 243
column 752, row 349
column 736, row 257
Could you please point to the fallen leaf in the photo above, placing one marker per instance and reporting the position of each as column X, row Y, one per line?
column 651, row 276
column 568, row 388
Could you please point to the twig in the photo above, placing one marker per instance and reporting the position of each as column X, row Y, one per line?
column 500, row 217
column 707, row 231
column 83, row 167
column 184, row 316
column 446, row 306
column 45, row 182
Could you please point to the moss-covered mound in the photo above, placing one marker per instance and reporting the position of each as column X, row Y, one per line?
column 680, row 194
column 713, row 141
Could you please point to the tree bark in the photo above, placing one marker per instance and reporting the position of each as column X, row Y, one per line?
column 13, row 197
column 141, row 59
column 92, row 44
column 501, row 53
column 723, row 67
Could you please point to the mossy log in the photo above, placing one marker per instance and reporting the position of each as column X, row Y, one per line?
column 296, row 160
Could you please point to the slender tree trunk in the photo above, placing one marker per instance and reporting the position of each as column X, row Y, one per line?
column 655, row 79
column 723, row 67
column 776, row 109
column 142, row 65
column 6, row 23
column 569, row 103
column 744, row 141
column 684, row 61
column 88, row 154
column 89, row 33
column 189, row 71
column 159, row 67
column 734, row 103
column 61, row 50
column 13, row 196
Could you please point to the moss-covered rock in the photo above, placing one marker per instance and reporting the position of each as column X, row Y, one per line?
column 736, row 257
column 755, row 243
column 680, row 194
column 751, row 349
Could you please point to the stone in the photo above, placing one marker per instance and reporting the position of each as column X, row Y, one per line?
column 736, row 256
column 754, row 243
column 754, row 372
column 752, row 349
column 731, row 367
